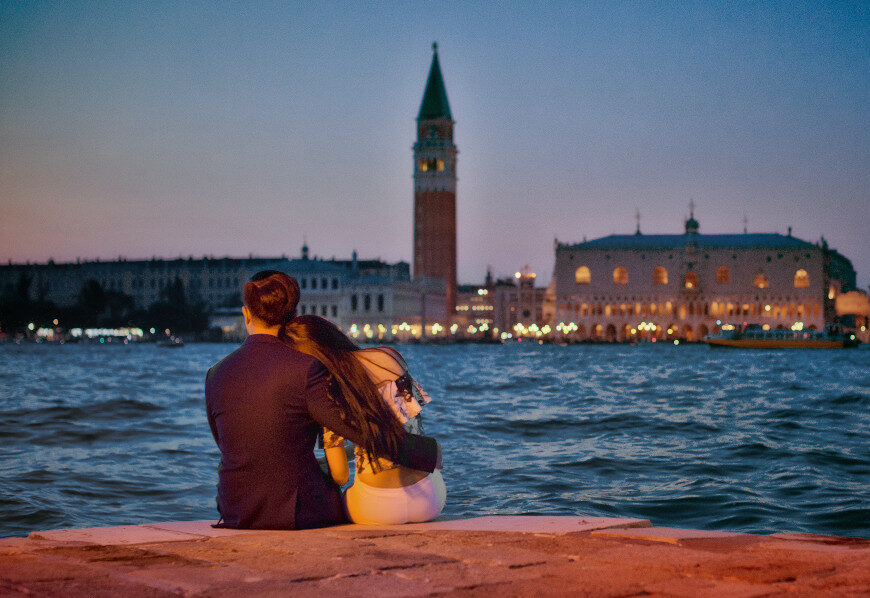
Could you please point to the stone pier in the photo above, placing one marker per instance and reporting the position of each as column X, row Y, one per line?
column 485, row 556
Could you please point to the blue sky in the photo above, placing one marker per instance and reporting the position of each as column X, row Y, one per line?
column 168, row 129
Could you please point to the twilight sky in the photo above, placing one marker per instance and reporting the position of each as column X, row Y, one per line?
column 189, row 128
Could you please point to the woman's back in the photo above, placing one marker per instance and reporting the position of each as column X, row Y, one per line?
column 384, row 492
column 389, row 373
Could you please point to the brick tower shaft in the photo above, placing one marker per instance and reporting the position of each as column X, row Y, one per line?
column 435, row 187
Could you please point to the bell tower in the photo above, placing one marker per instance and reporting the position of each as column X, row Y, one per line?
column 435, row 187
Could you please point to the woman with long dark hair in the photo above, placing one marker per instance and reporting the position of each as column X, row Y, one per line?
column 376, row 391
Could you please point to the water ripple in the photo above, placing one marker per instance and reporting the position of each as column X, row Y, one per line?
column 685, row 436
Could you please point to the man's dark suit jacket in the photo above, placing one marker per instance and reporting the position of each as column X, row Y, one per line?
column 266, row 403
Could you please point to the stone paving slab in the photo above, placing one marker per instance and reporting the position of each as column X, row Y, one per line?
column 541, row 524
column 110, row 536
column 670, row 535
column 197, row 528
column 187, row 530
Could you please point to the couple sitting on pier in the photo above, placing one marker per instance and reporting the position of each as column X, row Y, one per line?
column 294, row 379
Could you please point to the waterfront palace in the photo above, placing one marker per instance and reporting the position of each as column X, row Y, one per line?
column 626, row 287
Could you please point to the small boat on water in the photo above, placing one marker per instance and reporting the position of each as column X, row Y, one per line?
column 173, row 342
column 754, row 336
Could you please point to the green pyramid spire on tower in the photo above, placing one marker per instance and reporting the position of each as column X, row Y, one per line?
column 434, row 103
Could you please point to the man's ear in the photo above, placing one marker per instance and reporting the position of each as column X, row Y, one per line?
column 247, row 313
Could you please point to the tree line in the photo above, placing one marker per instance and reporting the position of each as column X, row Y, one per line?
column 97, row 307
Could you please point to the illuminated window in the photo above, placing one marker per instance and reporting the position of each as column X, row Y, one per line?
column 691, row 280
column 801, row 278
column 582, row 275
column 660, row 275
column 620, row 276
column 723, row 275
column 761, row 281
column 427, row 164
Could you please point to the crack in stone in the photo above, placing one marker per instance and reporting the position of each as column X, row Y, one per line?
column 476, row 586
column 413, row 565
column 523, row 565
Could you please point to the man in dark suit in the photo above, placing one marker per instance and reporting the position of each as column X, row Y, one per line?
column 266, row 403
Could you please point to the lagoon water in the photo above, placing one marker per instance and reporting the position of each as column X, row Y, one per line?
column 685, row 436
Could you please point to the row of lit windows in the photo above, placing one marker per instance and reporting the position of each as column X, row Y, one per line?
column 683, row 310
column 477, row 307
column 690, row 281
column 366, row 302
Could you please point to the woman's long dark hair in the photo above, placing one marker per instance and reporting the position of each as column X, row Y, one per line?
column 358, row 398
